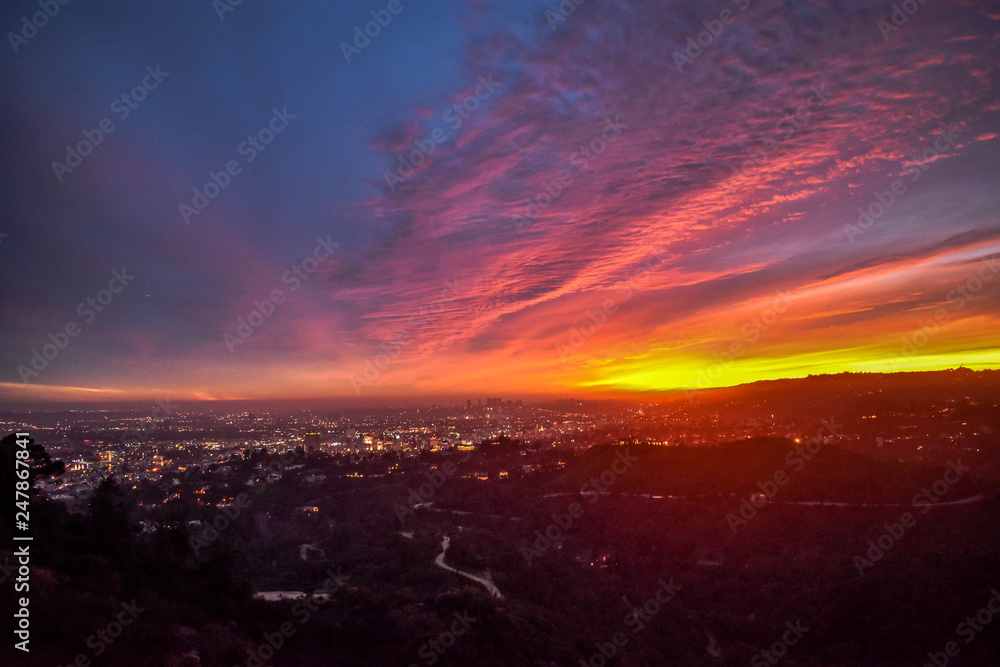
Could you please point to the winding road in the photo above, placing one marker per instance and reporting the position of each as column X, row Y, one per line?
column 439, row 561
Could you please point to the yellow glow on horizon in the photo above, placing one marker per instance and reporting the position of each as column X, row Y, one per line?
column 699, row 373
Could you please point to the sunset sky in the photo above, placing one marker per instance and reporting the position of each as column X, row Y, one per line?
column 600, row 205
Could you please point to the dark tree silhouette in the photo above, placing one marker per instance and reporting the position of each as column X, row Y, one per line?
column 110, row 519
column 40, row 466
